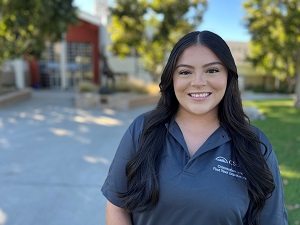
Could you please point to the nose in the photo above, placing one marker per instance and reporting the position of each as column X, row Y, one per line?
column 199, row 80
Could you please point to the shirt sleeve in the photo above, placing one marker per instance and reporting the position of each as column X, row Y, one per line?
column 274, row 211
column 116, row 181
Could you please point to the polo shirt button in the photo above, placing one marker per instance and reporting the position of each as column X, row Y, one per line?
column 186, row 156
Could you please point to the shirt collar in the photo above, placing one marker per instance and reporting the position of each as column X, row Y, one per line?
column 217, row 138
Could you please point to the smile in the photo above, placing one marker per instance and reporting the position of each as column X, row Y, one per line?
column 199, row 95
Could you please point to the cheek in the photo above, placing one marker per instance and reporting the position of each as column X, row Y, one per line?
column 180, row 84
column 220, row 84
column 177, row 85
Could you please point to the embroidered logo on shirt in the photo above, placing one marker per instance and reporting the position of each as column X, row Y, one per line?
column 224, row 160
column 221, row 159
column 228, row 171
column 233, row 163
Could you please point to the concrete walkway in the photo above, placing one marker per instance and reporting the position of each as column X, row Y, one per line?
column 54, row 159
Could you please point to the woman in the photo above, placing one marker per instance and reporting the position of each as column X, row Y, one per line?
column 195, row 158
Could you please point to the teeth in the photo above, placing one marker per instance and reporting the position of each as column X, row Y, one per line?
column 203, row 95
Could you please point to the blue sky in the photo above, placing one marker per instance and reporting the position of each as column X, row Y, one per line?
column 224, row 17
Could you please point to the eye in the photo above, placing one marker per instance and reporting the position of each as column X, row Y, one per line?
column 212, row 70
column 184, row 72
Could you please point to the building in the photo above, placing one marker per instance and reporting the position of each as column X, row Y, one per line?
column 249, row 77
column 76, row 58
column 62, row 65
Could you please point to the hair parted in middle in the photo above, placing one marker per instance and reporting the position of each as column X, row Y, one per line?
column 217, row 45
column 143, row 168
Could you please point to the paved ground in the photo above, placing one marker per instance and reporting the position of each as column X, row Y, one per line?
column 54, row 159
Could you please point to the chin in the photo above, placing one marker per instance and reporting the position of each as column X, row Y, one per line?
column 203, row 111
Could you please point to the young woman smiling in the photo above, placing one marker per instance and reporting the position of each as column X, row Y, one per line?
column 195, row 158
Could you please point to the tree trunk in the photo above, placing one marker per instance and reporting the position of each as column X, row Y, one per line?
column 297, row 73
column 0, row 78
column 297, row 88
column 277, row 83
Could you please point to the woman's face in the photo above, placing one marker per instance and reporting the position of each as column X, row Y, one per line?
column 200, row 80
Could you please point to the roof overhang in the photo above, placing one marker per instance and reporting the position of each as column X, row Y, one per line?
column 89, row 18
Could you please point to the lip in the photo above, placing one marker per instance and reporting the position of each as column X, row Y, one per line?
column 199, row 96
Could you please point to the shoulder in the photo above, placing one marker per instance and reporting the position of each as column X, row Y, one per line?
column 138, row 121
column 261, row 135
column 137, row 125
column 265, row 143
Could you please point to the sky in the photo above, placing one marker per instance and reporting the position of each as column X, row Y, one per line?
column 224, row 17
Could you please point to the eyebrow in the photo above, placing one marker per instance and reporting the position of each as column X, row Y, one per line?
column 205, row 65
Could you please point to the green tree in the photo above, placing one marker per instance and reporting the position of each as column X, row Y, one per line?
column 274, row 26
column 25, row 26
column 150, row 28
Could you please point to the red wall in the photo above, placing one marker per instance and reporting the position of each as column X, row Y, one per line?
column 34, row 71
column 86, row 32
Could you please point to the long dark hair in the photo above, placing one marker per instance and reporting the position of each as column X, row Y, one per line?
column 142, row 168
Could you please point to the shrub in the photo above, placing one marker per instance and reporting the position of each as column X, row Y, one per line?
column 135, row 86
column 86, row 86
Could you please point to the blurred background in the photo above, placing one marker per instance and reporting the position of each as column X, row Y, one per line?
column 75, row 73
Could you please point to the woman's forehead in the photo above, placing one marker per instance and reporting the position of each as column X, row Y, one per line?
column 197, row 54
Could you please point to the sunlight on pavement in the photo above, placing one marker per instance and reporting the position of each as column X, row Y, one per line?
column 38, row 117
column 106, row 121
column 56, row 114
column 84, row 129
column 12, row 120
column 22, row 115
column 83, row 140
column 94, row 160
column 61, row 132
column 102, row 120
column 80, row 119
column 4, row 143
column 109, row 111
column 2, row 217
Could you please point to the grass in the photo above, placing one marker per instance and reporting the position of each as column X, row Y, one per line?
column 282, row 127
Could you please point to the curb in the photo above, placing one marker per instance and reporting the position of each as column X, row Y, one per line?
column 15, row 96
column 121, row 101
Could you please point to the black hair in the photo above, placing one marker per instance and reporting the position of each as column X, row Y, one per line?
column 142, row 168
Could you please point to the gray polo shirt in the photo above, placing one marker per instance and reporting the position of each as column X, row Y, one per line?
column 207, row 188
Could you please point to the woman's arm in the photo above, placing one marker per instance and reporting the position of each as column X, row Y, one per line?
column 274, row 211
column 116, row 215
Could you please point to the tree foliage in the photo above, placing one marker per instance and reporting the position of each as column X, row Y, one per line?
column 25, row 26
column 151, row 28
column 274, row 26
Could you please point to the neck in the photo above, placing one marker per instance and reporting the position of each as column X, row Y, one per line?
column 198, row 122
